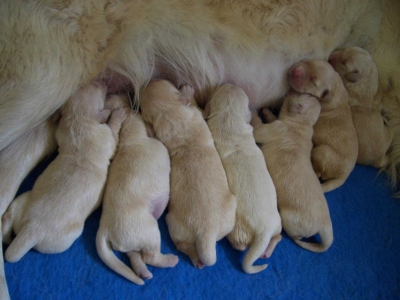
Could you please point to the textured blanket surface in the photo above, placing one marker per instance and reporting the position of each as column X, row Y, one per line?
column 363, row 262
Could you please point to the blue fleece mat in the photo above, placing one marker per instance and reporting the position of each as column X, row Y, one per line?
column 363, row 262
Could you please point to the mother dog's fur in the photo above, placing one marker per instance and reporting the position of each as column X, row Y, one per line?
column 64, row 44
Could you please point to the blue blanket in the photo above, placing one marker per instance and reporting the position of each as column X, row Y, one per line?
column 363, row 262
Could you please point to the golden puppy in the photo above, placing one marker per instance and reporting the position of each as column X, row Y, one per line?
column 136, row 194
column 258, row 223
column 286, row 145
column 360, row 77
column 201, row 210
column 51, row 216
column 335, row 140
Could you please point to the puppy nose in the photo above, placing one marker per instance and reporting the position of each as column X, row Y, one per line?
column 297, row 73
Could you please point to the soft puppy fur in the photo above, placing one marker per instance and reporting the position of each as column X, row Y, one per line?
column 335, row 140
column 52, row 215
column 360, row 77
column 258, row 223
column 136, row 194
column 286, row 145
column 202, row 209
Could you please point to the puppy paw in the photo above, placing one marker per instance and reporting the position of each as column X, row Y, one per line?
column 187, row 91
column 171, row 260
column 146, row 275
column 198, row 264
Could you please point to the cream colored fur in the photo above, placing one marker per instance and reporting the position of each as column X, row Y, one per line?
column 360, row 77
column 258, row 223
column 202, row 209
column 52, row 215
column 16, row 161
column 286, row 145
column 136, row 194
column 62, row 45
column 335, row 140
column 73, row 42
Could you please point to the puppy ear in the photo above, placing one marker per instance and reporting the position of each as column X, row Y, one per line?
column 326, row 96
column 296, row 108
column 207, row 110
column 353, row 76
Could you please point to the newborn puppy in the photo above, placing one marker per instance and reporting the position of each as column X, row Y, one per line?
column 360, row 77
column 52, row 215
column 258, row 223
column 335, row 140
column 286, row 145
column 201, row 210
column 136, row 194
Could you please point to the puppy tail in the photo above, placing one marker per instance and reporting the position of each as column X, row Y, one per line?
column 326, row 235
column 257, row 248
column 110, row 259
column 206, row 249
column 23, row 242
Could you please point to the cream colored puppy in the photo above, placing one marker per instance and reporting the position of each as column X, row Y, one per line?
column 202, row 209
column 360, row 77
column 136, row 194
column 52, row 215
column 258, row 223
column 335, row 140
column 286, row 145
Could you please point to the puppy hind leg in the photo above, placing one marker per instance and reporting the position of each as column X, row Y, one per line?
column 271, row 247
column 138, row 265
column 191, row 251
column 157, row 259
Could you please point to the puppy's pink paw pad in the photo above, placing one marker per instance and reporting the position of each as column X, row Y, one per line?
column 199, row 265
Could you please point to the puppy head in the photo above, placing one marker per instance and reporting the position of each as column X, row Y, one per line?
column 87, row 101
column 356, row 68
column 317, row 78
column 305, row 105
column 229, row 99
column 161, row 96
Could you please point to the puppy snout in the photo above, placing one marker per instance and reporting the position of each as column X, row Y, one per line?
column 296, row 77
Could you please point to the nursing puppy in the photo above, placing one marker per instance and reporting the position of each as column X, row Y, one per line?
column 52, row 215
column 286, row 145
column 335, row 140
column 136, row 194
column 360, row 77
column 201, row 210
column 258, row 223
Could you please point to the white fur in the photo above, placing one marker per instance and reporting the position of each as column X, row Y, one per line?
column 136, row 194
column 257, row 217
column 51, row 216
